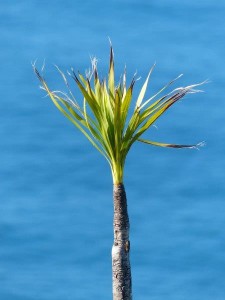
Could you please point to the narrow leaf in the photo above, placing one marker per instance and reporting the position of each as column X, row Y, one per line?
column 201, row 144
column 143, row 90
column 111, row 84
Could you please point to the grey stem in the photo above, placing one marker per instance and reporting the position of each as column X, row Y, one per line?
column 122, row 286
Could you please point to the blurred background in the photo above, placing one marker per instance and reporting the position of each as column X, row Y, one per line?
column 56, row 190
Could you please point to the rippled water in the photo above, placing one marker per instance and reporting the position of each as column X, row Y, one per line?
column 56, row 191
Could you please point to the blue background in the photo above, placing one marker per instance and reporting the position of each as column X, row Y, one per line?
column 56, row 190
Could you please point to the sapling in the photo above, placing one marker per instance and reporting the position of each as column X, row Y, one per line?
column 112, row 126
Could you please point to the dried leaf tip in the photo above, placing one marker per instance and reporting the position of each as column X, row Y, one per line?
column 200, row 145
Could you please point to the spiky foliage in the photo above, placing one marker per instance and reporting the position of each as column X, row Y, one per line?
column 103, row 118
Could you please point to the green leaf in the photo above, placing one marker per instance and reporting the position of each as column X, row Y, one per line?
column 126, row 103
column 201, row 144
column 111, row 83
column 117, row 124
column 143, row 89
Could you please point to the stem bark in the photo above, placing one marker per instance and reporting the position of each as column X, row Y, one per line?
column 121, row 270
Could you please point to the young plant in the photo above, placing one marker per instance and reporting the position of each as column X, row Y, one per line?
column 104, row 119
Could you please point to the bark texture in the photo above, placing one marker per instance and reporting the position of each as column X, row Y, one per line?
column 122, row 287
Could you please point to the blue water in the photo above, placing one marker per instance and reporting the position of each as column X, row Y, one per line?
column 56, row 190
